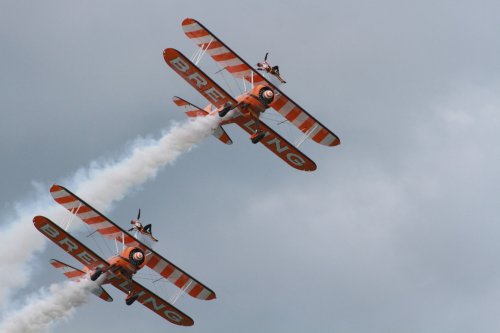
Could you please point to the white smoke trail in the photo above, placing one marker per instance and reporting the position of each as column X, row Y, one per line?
column 101, row 185
column 42, row 310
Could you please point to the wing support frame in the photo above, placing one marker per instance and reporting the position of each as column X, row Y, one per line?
column 304, row 136
column 200, row 52
column 70, row 219
column 180, row 293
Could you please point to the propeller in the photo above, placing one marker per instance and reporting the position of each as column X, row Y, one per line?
column 139, row 215
column 265, row 58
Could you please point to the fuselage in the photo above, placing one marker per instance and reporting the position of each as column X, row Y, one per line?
column 252, row 103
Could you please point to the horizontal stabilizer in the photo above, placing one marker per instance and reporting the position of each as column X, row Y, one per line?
column 192, row 110
column 75, row 274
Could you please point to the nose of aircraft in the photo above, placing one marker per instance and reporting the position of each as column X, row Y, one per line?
column 268, row 94
column 138, row 256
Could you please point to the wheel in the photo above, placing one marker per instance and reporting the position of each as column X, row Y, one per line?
column 256, row 137
column 131, row 299
column 96, row 274
column 225, row 110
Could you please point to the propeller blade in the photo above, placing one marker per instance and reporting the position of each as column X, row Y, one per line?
column 139, row 214
column 265, row 58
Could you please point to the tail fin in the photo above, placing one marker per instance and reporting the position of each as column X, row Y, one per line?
column 192, row 111
column 76, row 275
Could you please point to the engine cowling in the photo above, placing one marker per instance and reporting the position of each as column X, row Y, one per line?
column 135, row 256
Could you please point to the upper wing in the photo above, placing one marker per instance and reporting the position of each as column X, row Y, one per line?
column 278, row 145
column 195, row 77
column 153, row 302
column 108, row 229
column 91, row 216
column 229, row 60
column 68, row 243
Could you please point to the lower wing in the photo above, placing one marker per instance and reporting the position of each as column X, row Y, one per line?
column 278, row 145
column 154, row 302
column 68, row 243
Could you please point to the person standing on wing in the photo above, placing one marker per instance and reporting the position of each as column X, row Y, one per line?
column 273, row 70
column 145, row 230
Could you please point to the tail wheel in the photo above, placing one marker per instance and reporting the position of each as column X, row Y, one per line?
column 96, row 274
column 131, row 299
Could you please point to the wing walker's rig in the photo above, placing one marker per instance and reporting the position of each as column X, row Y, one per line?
column 245, row 111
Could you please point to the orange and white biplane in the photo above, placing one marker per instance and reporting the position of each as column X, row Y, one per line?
column 120, row 269
column 244, row 110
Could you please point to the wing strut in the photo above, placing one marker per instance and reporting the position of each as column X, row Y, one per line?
column 181, row 292
column 304, row 136
column 71, row 217
column 200, row 52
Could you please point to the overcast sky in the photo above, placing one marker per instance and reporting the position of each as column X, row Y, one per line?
column 396, row 231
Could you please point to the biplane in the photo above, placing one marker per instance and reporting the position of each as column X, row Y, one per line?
column 120, row 269
column 244, row 110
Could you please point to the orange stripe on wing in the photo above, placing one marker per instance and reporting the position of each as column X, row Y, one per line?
column 237, row 68
column 82, row 209
column 109, row 230
column 57, row 264
column 181, row 281
column 224, row 56
column 320, row 135
column 278, row 104
column 293, row 114
column 197, row 289
column 94, row 220
column 197, row 33
column 214, row 45
column 196, row 113
column 306, row 125
column 153, row 261
column 180, row 102
column 66, row 199
column 73, row 274
column 167, row 271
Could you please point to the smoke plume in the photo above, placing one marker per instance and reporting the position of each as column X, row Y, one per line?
column 101, row 184
column 43, row 309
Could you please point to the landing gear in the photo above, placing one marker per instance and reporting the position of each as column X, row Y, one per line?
column 227, row 107
column 257, row 136
column 131, row 298
column 96, row 274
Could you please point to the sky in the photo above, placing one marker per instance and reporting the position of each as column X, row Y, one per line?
column 397, row 229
